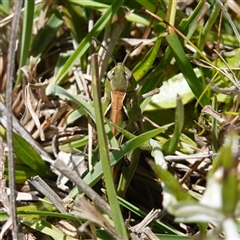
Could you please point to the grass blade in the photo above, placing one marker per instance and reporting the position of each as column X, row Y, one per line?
column 186, row 68
column 43, row 39
column 86, row 42
column 26, row 35
column 104, row 153
column 170, row 146
column 93, row 177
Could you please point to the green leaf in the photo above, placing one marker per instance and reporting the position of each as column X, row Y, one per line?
column 188, row 26
column 145, row 146
column 92, row 4
column 26, row 35
column 48, row 229
column 170, row 146
column 141, row 69
column 172, row 237
column 23, row 172
column 186, row 69
column 59, row 91
column 171, row 183
column 28, row 154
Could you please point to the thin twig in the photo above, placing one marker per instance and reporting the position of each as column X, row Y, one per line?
column 10, row 79
column 172, row 158
column 229, row 20
column 3, row 191
column 73, row 177
column 191, row 170
column 41, row 186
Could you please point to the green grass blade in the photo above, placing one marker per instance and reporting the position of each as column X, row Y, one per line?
column 172, row 7
column 188, row 26
column 45, row 37
column 143, row 214
column 172, row 237
column 90, row 4
column 47, row 228
column 145, row 146
column 170, row 146
column 86, row 42
column 28, row 154
column 186, row 68
column 26, row 35
column 211, row 21
column 170, row 182
column 88, row 108
column 22, row 173
column 144, row 66
column 128, row 172
column 75, row 19
column 104, row 153
column 93, row 177
column 214, row 126
column 151, row 6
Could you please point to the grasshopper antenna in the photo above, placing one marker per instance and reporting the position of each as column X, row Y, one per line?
column 125, row 59
column 100, row 44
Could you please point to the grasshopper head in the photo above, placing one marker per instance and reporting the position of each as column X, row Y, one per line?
column 121, row 79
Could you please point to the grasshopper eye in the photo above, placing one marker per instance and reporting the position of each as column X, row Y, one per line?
column 110, row 74
column 128, row 74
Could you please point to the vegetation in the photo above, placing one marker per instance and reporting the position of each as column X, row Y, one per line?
column 169, row 172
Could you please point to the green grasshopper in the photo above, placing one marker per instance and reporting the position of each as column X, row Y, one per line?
column 121, row 107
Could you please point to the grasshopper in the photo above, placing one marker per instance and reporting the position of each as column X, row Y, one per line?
column 121, row 107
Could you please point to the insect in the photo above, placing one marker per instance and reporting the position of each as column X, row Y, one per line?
column 121, row 107
column 120, row 99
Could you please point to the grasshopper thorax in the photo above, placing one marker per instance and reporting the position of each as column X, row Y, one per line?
column 121, row 79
